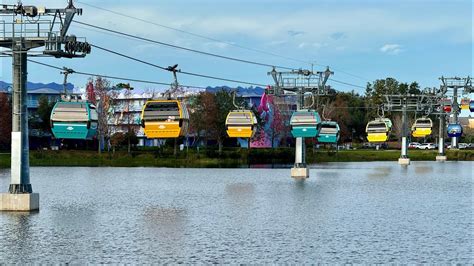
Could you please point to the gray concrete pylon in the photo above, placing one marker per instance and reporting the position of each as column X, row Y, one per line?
column 20, row 164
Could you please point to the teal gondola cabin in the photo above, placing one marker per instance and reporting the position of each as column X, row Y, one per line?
column 304, row 124
column 328, row 132
column 74, row 120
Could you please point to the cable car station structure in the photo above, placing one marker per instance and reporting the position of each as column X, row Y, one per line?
column 25, row 28
column 455, row 86
column 404, row 104
column 305, row 120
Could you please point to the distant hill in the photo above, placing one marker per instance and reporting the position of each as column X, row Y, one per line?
column 240, row 90
column 34, row 86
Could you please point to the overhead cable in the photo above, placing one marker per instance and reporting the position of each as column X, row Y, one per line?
column 184, row 48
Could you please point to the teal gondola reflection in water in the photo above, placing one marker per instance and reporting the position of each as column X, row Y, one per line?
column 454, row 130
column 74, row 120
column 328, row 132
column 304, row 124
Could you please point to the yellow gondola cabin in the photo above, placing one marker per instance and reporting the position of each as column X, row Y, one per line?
column 241, row 124
column 164, row 119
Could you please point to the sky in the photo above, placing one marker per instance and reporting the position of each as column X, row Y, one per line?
column 361, row 41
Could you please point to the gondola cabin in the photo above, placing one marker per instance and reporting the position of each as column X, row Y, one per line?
column 471, row 106
column 454, row 130
column 446, row 104
column 422, row 127
column 304, row 124
column 328, row 132
column 388, row 122
column 378, row 130
column 465, row 104
column 74, row 120
column 241, row 124
column 164, row 119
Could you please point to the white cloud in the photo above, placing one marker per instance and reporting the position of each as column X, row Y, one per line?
column 218, row 45
column 302, row 45
column 392, row 49
column 354, row 28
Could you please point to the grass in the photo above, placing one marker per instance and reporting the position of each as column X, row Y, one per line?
column 230, row 157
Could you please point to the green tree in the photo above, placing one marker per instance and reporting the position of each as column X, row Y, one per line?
column 44, row 113
column 208, row 113
column 224, row 104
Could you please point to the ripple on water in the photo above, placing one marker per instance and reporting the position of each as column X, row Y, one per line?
column 345, row 213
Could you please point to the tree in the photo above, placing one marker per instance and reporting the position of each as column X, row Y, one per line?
column 202, row 114
column 337, row 110
column 279, row 127
column 6, row 122
column 44, row 113
column 98, row 89
column 209, row 112
column 414, row 88
column 131, row 131
column 116, row 140
column 224, row 103
column 397, row 125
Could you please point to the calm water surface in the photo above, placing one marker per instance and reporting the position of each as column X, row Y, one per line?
column 346, row 212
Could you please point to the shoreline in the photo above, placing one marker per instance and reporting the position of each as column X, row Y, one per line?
column 230, row 157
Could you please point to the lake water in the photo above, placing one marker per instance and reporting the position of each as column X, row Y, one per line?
column 376, row 212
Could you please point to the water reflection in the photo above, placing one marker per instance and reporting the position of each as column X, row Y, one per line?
column 380, row 172
column 240, row 192
column 342, row 213
column 423, row 169
column 165, row 221
column 18, row 233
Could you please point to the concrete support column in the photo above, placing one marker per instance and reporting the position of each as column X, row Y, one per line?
column 20, row 165
column 20, row 196
column 455, row 140
column 454, row 143
column 300, row 153
column 404, row 160
column 404, row 153
column 300, row 170
column 441, row 154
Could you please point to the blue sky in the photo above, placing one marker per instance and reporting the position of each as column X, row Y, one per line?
column 407, row 40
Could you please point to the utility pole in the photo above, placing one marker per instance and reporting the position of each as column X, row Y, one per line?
column 299, row 82
column 20, row 35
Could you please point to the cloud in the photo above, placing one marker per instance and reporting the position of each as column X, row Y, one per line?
column 294, row 33
column 392, row 49
column 352, row 27
column 211, row 46
column 302, row 45
column 338, row 35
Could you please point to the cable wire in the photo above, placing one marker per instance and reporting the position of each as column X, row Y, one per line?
column 113, row 77
column 348, row 84
column 182, row 72
column 184, row 48
column 220, row 41
column 197, row 35
column 209, row 54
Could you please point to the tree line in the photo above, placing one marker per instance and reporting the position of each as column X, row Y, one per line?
column 208, row 113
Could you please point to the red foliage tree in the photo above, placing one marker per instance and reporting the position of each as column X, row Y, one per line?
column 5, row 122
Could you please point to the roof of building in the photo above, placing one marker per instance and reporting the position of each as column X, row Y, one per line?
column 44, row 91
